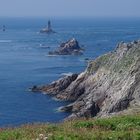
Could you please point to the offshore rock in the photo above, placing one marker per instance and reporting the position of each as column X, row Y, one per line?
column 70, row 47
column 109, row 85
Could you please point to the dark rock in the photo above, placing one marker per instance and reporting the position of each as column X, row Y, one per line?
column 34, row 88
column 70, row 47
column 86, row 59
column 57, row 86
column 4, row 28
column 109, row 85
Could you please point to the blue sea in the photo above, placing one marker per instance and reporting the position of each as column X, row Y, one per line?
column 24, row 61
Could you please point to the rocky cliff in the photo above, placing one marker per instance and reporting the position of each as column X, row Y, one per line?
column 109, row 85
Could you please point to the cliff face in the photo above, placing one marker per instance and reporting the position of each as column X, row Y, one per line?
column 110, row 84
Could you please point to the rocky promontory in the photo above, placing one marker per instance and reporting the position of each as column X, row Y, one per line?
column 109, row 85
column 70, row 47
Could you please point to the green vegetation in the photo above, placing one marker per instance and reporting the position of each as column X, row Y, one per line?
column 124, row 63
column 113, row 62
column 115, row 128
column 101, row 61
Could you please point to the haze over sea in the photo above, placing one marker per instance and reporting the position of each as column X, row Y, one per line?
column 24, row 61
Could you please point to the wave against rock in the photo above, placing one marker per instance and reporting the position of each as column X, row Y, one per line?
column 109, row 85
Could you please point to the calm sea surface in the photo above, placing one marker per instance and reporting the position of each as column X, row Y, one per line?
column 24, row 61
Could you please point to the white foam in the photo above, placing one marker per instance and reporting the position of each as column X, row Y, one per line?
column 44, row 93
column 67, row 74
column 59, row 109
column 55, row 99
column 5, row 41
column 51, row 55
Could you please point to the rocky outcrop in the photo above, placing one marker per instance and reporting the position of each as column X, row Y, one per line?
column 109, row 85
column 70, row 47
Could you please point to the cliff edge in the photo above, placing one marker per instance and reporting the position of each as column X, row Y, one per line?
column 109, row 85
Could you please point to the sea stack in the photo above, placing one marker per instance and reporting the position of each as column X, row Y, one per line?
column 48, row 29
column 70, row 47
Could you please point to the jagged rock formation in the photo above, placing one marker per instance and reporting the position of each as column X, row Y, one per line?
column 109, row 85
column 70, row 47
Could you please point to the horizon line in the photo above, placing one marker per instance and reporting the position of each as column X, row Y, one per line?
column 71, row 17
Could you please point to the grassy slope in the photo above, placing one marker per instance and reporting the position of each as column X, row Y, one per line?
column 115, row 128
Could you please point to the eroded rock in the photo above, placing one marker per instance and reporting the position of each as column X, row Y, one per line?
column 70, row 47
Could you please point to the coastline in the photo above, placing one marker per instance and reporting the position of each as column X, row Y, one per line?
column 92, row 92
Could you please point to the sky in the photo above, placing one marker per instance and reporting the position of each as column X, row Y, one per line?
column 69, row 8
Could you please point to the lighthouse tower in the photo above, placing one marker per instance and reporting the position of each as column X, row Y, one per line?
column 48, row 29
column 49, row 25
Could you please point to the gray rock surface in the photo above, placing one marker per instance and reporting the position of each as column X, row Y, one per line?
column 70, row 47
column 109, row 85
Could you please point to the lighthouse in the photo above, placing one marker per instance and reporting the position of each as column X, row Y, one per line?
column 48, row 29
column 49, row 25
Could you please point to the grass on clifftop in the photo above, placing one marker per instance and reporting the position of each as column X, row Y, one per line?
column 115, row 128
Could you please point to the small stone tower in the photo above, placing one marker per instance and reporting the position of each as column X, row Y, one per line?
column 49, row 25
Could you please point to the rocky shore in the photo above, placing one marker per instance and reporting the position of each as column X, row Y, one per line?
column 70, row 47
column 109, row 85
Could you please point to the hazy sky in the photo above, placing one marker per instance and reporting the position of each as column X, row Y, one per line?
column 70, row 8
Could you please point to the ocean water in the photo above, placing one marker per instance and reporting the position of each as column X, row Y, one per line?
column 24, row 61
